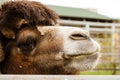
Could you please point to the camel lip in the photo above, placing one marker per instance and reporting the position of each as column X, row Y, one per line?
column 81, row 55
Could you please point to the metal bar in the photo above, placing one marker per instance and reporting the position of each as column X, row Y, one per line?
column 87, row 26
column 113, row 40
column 59, row 77
column 90, row 23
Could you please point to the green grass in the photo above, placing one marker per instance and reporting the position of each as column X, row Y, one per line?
column 102, row 72
column 99, row 73
column 107, row 65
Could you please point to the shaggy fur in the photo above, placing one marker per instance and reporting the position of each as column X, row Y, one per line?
column 14, row 14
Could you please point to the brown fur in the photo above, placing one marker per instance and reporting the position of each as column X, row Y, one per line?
column 14, row 14
column 18, row 21
column 17, row 14
column 20, row 59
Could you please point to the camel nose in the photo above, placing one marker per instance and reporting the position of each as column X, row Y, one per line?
column 79, row 36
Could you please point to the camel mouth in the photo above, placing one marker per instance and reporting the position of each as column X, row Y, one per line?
column 81, row 56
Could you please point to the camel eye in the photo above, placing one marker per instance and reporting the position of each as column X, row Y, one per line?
column 27, row 45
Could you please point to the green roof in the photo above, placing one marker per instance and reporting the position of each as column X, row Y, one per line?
column 78, row 13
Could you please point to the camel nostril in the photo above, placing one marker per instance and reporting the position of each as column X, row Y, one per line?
column 78, row 36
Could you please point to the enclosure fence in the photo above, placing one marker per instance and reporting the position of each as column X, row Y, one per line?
column 108, row 35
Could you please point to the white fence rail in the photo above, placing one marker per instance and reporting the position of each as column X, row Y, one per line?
column 56, row 77
column 99, row 27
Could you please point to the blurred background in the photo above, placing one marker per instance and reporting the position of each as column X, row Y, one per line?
column 102, row 19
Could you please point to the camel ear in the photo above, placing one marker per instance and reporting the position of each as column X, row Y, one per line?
column 7, row 32
column 20, row 23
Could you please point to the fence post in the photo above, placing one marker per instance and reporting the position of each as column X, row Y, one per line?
column 113, row 50
column 113, row 41
column 87, row 26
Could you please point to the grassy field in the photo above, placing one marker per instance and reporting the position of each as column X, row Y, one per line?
column 99, row 73
column 105, row 71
